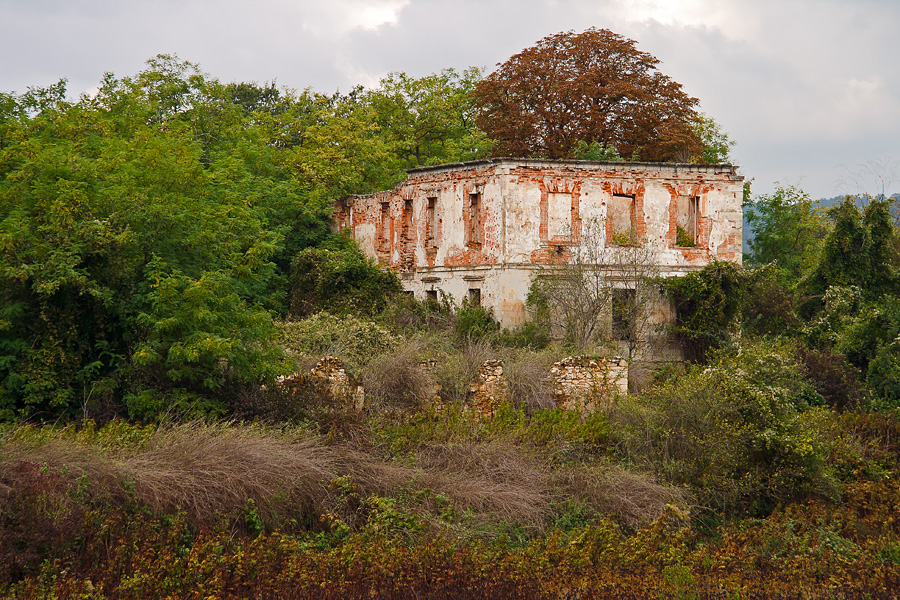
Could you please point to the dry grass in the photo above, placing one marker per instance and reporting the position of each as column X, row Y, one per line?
column 292, row 477
column 527, row 375
column 209, row 469
column 397, row 378
column 633, row 499
column 456, row 371
column 205, row 471
column 494, row 478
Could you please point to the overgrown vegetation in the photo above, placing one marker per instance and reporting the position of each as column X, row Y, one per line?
column 165, row 255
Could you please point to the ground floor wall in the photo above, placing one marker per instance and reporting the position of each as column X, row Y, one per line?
column 504, row 289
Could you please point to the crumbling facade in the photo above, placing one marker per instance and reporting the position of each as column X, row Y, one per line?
column 481, row 230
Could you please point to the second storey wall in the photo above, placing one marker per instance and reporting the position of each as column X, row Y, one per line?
column 530, row 214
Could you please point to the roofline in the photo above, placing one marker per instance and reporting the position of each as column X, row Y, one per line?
column 542, row 162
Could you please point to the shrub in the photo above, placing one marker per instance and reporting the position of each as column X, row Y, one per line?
column 407, row 316
column 456, row 371
column 530, row 335
column 707, row 304
column 353, row 339
column 734, row 432
column 527, row 376
column 474, row 322
column 341, row 281
column 833, row 377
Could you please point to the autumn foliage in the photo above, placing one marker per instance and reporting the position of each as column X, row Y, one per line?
column 594, row 86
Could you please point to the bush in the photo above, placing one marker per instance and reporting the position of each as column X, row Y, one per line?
column 398, row 377
column 474, row 322
column 456, row 371
column 355, row 340
column 530, row 335
column 735, row 432
column 527, row 376
column 833, row 378
column 341, row 281
column 708, row 304
column 407, row 316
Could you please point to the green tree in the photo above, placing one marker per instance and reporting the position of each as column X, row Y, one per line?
column 857, row 252
column 708, row 305
column 143, row 236
column 429, row 120
column 716, row 144
column 339, row 280
column 788, row 231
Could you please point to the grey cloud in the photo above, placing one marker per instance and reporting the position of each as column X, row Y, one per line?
column 803, row 86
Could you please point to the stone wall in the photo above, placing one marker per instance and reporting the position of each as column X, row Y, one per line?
column 488, row 390
column 331, row 372
column 579, row 383
column 586, row 384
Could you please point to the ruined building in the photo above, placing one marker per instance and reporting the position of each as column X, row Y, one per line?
column 481, row 230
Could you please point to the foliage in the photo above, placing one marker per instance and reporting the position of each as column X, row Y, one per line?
column 355, row 340
column 139, row 242
column 833, row 378
column 708, row 304
column 598, row 294
column 408, row 316
column 529, row 335
column 716, row 144
column 341, row 281
column 474, row 322
column 733, row 431
column 114, row 512
column 869, row 340
column 770, row 308
column 429, row 120
column 589, row 87
column 858, row 252
column 397, row 378
column 788, row 230
column 596, row 151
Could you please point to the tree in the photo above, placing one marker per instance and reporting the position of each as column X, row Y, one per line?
column 594, row 86
column 140, row 231
column 716, row 144
column 708, row 304
column 787, row 231
column 429, row 120
column 857, row 252
column 598, row 295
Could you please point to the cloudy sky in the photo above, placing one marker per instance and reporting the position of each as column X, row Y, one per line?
column 809, row 89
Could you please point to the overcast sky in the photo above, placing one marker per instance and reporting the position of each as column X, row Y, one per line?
column 809, row 89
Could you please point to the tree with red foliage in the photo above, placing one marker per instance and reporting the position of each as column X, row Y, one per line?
column 594, row 86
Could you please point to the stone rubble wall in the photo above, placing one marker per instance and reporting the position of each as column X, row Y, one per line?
column 331, row 372
column 580, row 383
column 488, row 389
column 586, row 384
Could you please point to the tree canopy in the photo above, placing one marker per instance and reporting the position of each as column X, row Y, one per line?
column 594, row 86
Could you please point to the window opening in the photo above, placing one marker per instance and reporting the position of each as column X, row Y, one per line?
column 687, row 216
column 386, row 220
column 559, row 216
column 623, row 314
column 475, row 296
column 407, row 217
column 620, row 221
column 474, row 219
column 430, row 208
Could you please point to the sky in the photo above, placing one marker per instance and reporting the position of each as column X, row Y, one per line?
column 808, row 89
